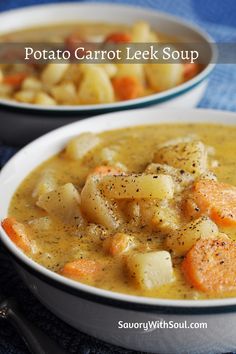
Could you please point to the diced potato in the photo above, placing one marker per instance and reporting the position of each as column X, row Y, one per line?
column 164, row 76
column 73, row 73
column 46, row 183
column 133, row 211
column 108, row 155
column 44, row 99
column 118, row 244
column 95, row 87
column 32, row 84
column 62, row 203
column 190, row 156
column 141, row 32
column 26, row 96
column 41, row 224
column 181, row 177
column 96, row 207
column 53, row 73
column 165, row 218
column 138, row 186
column 136, row 70
column 110, row 69
column 79, row 146
column 182, row 240
column 151, row 270
column 147, row 209
column 64, row 93
column 157, row 215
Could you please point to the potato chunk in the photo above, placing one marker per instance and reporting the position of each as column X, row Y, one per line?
column 95, row 86
column 96, row 207
column 164, row 76
column 32, row 84
column 62, row 203
column 182, row 240
column 46, row 183
column 79, row 146
column 53, row 73
column 187, row 155
column 181, row 177
column 165, row 218
column 157, row 215
column 135, row 70
column 44, row 99
column 110, row 69
column 141, row 33
column 41, row 224
column 138, row 186
column 64, row 93
column 151, row 270
column 26, row 96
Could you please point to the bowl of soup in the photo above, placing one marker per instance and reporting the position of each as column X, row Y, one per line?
column 124, row 226
column 44, row 95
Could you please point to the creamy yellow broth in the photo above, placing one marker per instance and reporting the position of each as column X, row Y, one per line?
column 135, row 147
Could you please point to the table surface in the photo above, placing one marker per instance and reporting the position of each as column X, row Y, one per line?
column 217, row 17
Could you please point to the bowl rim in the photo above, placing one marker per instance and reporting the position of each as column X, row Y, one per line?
column 121, row 105
column 107, row 297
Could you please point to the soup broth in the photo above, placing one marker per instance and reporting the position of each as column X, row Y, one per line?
column 58, row 237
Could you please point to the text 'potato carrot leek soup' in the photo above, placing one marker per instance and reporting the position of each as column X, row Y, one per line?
column 87, row 84
column 148, row 210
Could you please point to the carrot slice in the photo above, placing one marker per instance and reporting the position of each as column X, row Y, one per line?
column 17, row 233
column 190, row 70
column 15, row 80
column 127, row 87
column 119, row 37
column 216, row 199
column 210, row 265
column 80, row 268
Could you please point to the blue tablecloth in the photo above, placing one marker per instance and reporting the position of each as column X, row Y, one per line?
column 218, row 18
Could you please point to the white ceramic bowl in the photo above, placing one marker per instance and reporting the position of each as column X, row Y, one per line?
column 34, row 120
column 96, row 311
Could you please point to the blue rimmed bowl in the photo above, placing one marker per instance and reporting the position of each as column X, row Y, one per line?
column 102, row 313
column 34, row 120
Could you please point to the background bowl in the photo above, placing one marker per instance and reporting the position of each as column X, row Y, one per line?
column 34, row 120
column 96, row 311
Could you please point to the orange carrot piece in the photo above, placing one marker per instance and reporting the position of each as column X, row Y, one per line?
column 216, row 199
column 117, row 244
column 15, row 80
column 17, row 233
column 127, row 87
column 190, row 70
column 80, row 268
column 119, row 37
column 210, row 265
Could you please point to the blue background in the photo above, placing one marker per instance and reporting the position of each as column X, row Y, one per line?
column 218, row 18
